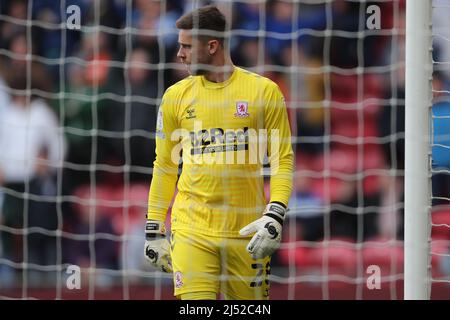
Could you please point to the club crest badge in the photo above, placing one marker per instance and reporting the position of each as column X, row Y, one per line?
column 241, row 109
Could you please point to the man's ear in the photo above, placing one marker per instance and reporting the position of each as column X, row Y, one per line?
column 213, row 46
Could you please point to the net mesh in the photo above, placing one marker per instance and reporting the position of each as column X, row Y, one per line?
column 440, row 195
column 80, row 199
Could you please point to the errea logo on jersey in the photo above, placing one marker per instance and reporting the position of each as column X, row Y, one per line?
column 241, row 109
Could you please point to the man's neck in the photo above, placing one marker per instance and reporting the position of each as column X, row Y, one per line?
column 221, row 72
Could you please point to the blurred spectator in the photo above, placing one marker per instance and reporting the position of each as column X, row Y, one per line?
column 6, row 272
column 132, row 260
column 47, row 40
column 129, row 226
column 445, row 264
column 345, row 52
column 189, row 5
column 353, row 213
column 346, row 221
column 4, row 90
column 77, row 114
column 16, row 10
column 248, row 55
column 42, row 214
column 138, row 116
column 82, row 111
column 96, row 51
column 30, row 132
column 345, row 17
column 109, row 99
column 310, row 117
column 391, row 126
column 35, row 71
column 283, row 20
column 441, row 136
column 441, row 35
column 95, row 248
column 155, row 21
column 307, row 209
column 109, row 14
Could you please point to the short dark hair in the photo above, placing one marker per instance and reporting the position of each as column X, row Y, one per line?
column 207, row 18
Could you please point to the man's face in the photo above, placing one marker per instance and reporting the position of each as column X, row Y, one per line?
column 193, row 53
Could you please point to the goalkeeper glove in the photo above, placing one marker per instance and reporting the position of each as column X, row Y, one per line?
column 157, row 247
column 268, row 231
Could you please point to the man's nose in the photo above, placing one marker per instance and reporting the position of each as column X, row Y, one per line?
column 180, row 54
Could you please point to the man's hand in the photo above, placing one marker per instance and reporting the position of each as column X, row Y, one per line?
column 268, row 231
column 157, row 248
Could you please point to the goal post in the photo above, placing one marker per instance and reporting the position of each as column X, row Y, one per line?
column 418, row 97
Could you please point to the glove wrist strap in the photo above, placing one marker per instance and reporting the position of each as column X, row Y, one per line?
column 276, row 211
column 154, row 229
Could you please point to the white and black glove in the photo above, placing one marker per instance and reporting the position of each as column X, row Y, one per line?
column 157, row 247
column 267, row 238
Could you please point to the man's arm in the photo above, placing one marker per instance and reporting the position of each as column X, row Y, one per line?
column 279, row 147
column 267, row 229
column 162, row 188
column 56, row 145
column 165, row 167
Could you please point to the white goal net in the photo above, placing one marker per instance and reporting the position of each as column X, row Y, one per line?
column 80, row 85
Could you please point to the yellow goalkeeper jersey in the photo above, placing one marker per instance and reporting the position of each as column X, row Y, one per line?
column 224, row 134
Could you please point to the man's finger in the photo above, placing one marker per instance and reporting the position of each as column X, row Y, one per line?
column 248, row 229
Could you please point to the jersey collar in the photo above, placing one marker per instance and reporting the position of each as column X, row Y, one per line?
column 217, row 85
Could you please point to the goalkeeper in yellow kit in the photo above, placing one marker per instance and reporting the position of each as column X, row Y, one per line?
column 222, row 121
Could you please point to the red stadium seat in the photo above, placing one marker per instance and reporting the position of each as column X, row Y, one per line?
column 441, row 221
column 346, row 105
column 344, row 88
column 334, row 186
column 384, row 254
column 101, row 198
column 133, row 205
column 344, row 159
column 337, row 254
column 438, row 249
column 125, row 207
column 350, row 129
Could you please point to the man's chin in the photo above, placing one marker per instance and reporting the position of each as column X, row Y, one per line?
column 195, row 71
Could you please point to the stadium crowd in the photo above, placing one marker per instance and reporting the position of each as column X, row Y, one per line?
column 80, row 196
